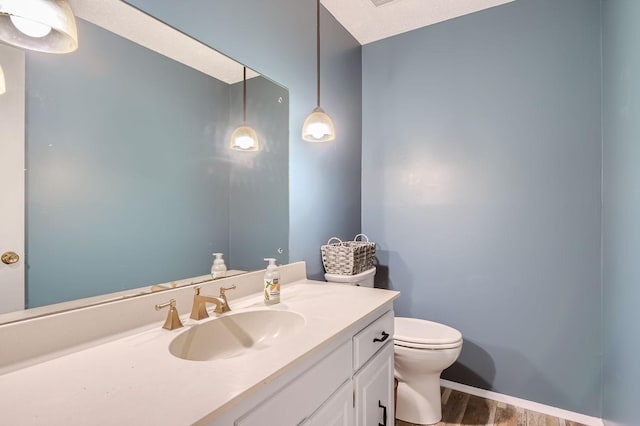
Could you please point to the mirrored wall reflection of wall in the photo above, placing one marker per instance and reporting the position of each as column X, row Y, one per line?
column 129, row 178
column 259, row 181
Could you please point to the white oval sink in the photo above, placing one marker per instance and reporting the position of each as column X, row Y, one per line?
column 235, row 335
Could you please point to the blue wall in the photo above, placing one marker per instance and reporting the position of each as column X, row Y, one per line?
column 621, row 220
column 277, row 38
column 481, row 185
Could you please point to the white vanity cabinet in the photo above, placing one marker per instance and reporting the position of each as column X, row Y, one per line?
column 337, row 370
column 351, row 385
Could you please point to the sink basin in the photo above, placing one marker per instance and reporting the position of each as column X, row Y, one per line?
column 236, row 334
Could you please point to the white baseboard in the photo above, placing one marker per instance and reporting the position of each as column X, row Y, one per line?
column 523, row 403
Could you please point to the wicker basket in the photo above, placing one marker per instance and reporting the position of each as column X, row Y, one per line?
column 348, row 257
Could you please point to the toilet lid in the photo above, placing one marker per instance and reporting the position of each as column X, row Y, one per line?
column 418, row 333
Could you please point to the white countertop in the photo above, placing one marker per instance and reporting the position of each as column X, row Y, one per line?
column 136, row 380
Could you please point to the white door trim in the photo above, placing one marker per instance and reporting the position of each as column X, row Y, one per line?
column 12, row 178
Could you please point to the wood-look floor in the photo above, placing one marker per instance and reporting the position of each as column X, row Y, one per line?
column 460, row 408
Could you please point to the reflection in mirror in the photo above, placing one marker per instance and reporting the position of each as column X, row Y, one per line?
column 130, row 182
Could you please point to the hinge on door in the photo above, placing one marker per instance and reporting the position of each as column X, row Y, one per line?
column 354, row 398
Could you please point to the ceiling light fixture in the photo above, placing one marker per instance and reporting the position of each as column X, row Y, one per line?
column 42, row 25
column 318, row 127
column 244, row 138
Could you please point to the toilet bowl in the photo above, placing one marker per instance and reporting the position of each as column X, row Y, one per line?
column 423, row 349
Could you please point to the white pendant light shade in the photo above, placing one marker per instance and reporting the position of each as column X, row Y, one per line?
column 3, row 84
column 244, row 138
column 318, row 127
column 41, row 25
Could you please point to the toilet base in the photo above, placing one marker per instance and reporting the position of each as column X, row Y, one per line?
column 420, row 402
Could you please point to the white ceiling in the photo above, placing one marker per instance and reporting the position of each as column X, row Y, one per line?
column 369, row 23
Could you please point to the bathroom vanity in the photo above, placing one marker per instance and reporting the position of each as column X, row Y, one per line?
column 323, row 356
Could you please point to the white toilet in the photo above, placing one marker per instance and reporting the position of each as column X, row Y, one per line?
column 423, row 349
column 363, row 279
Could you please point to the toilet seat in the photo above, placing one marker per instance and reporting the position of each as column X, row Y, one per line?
column 422, row 334
column 413, row 345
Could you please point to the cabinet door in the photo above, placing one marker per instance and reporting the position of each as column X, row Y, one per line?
column 295, row 402
column 337, row 411
column 374, row 390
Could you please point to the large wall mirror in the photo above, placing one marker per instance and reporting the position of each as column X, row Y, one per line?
column 130, row 182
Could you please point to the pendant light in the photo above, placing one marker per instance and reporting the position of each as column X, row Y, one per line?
column 318, row 127
column 244, row 138
column 42, row 25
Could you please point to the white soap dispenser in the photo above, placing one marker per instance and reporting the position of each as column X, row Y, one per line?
column 218, row 269
column 271, row 283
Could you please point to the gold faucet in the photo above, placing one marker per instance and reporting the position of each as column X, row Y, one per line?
column 173, row 319
column 199, row 309
column 223, row 296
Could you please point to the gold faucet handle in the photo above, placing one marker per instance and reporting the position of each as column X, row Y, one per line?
column 223, row 296
column 223, row 289
column 173, row 319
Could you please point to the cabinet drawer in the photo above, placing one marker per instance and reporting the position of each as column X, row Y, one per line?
column 291, row 405
column 371, row 339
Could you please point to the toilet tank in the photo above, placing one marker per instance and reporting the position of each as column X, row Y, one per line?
column 363, row 279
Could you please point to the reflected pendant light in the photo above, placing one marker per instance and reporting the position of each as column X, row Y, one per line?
column 318, row 127
column 42, row 25
column 244, row 138
column 3, row 85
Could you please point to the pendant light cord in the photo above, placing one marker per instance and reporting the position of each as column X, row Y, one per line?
column 244, row 94
column 318, row 48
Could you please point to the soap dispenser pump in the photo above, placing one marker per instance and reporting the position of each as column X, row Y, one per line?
column 271, row 283
column 218, row 269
